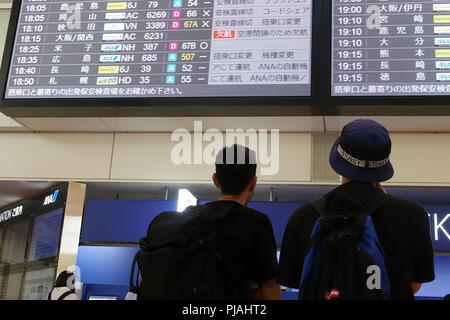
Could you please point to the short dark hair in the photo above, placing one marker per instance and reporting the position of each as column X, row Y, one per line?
column 235, row 169
column 63, row 278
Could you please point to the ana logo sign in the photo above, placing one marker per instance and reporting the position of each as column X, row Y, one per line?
column 51, row 198
column 110, row 58
column 111, row 47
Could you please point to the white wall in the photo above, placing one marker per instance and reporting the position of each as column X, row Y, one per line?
column 419, row 159
column 141, row 156
column 126, row 157
column 55, row 156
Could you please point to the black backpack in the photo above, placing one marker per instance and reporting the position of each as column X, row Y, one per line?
column 178, row 259
column 344, row 250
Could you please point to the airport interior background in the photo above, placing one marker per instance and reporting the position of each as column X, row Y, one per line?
column 79, row 185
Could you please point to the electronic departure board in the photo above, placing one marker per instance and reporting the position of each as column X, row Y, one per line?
column 161, row 48
column 14, row 243
column 390, row 48
column 46, row 235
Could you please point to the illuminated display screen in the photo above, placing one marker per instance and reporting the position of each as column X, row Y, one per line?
column 104, row 297
column 46, row 235
column 161, row 48
column 390, row 48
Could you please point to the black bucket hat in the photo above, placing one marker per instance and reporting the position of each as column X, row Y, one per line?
column 362, row 152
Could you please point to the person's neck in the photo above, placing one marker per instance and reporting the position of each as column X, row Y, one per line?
column 241, row 199
column 347, row 180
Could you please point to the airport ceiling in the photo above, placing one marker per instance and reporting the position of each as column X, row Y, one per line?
column 314, row 124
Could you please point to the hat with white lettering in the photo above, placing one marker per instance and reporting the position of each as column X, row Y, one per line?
column 362, row 152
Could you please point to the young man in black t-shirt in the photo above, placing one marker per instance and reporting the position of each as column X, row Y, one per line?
column 245, row 239
column 361, row 156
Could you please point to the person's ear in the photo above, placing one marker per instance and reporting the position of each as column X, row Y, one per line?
column 252, row 185
column 215, row 180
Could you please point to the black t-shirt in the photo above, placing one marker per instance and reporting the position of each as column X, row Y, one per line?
column 247, row 244
column 402, row 227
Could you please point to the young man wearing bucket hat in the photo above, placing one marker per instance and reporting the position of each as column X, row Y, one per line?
column 361, row 156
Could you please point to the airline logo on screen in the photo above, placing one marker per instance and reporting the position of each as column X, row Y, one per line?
column 51, row 198
column 111, row 47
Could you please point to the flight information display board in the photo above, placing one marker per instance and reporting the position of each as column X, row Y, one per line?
column 161, row 48
column 46, row 235
column 390, row 48
column 14, row 243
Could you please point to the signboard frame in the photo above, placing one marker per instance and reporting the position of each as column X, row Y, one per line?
column 156, row 106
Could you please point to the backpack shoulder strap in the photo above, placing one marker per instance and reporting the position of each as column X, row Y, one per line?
column 319, row 205
column 66, row 294
column 134, row 286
